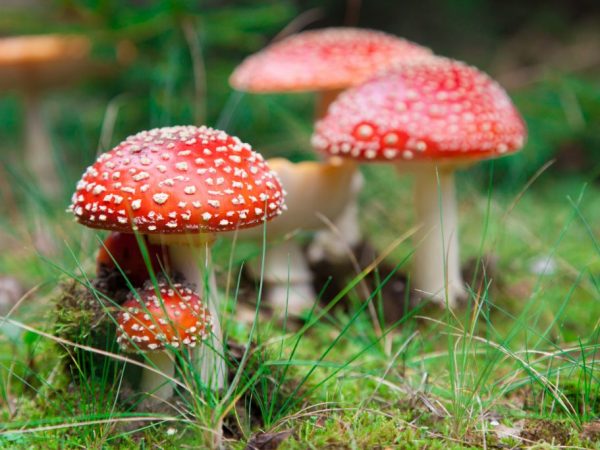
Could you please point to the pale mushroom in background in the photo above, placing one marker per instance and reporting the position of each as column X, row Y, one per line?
column 32, row 65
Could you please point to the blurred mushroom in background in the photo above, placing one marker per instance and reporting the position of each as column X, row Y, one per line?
column 32, row 65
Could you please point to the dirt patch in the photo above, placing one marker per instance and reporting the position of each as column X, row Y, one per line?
column 591, row 431
column 552, row 432
column 331, row 278
column 268, row 441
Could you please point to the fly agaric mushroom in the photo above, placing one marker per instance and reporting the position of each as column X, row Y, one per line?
column 122, row 251
column 326, row 61
column 157, row 320
column 429, row 118
column 31, row 64
column 180, row 186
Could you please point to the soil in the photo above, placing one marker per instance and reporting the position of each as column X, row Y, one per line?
column 552, row 432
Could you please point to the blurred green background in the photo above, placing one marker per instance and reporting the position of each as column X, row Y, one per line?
column 176, row 56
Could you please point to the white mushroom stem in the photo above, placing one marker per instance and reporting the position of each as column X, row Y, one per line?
column 193, row 261
column 38, row 149
column 343, row 235
column 436, row 268
column 158, row 385
column 288, row 277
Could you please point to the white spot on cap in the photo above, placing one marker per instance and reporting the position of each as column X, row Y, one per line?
column 365, row 130
column 160, row 197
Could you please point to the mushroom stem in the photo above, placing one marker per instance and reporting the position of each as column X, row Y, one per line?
column 324, row 99
column 334, row 243
column 288, row 277
column 38, row 149
column 194, row 263
column 159, row 386
column 436, row 261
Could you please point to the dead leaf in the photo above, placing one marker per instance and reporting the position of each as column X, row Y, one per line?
column 268, row 441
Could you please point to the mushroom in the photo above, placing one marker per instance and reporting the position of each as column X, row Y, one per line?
column 326, row 61
column 31, row 64
column 307, row 184
column 121, row 251
column 156, row 321
column 180, row 186
column 428, row 118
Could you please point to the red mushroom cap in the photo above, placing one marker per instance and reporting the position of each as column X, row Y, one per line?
column 327, row 59
column 179, row 319
column 179, row 180
column 436, row 110
column 124, row 249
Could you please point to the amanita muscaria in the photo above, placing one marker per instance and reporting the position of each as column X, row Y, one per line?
column 324, row 61
column 429, row 119
column 157, row 320
column 31, row 65
column 180, row 186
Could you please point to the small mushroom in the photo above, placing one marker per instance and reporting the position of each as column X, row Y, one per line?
column 180, row 186
column 429, row 119
column 31, row 65
column 158, row 321
column 325, row 61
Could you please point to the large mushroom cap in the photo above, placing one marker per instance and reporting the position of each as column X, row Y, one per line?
column 43, row 59
column 178, row 180
column 433, row 110
column 327, row 59
column 176, row 318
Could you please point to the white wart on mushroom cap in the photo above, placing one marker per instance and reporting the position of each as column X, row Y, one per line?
column 436, row 110
column 148, row 322
column 326, row 59
column 183, row 180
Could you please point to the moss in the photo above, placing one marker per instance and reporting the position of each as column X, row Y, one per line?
column 84, row 316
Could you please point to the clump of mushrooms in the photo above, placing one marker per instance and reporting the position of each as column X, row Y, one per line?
column 324, row 61
column 428, row 119
column 180, row 186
